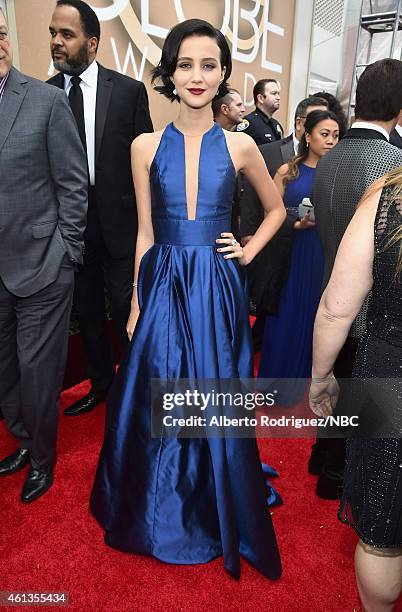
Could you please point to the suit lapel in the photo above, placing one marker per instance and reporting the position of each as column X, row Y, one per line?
column 13, row 97
column 57, row 80
column 103, row 95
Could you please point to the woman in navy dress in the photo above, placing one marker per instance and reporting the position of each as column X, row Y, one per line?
column 287, row 341
column 188, row 500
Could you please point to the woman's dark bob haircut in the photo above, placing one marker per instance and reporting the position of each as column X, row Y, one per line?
column 167, row 65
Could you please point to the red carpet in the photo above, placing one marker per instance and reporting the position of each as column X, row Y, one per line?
column 54, row 544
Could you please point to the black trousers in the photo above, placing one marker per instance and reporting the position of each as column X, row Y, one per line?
column 33, row 351
column 100, row 270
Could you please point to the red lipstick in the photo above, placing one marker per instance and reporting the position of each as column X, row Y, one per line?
column 196, row 92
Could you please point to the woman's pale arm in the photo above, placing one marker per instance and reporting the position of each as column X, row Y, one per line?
column 145, row 236
column 350, row 282
column 254, row 167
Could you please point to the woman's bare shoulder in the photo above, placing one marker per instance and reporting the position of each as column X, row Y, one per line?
column 145, row 146
column 282, row 170
column 241, row 148
column 146, row 140
column 239, row 139
column 371, row 197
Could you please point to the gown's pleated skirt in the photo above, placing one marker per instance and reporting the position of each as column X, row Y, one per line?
column 184, row 500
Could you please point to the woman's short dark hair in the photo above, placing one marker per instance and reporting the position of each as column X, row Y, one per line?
column 89, row 20
column 167, row 65
column 379, row 91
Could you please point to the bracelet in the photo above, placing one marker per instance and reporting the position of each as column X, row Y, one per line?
column 135, row 285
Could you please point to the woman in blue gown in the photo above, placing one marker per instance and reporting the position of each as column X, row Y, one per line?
column 188, row 500
column 287, row 342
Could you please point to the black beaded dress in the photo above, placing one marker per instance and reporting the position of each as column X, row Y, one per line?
column 372, row 498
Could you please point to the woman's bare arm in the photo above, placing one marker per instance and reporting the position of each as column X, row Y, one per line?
column 142, row 151
column 350, row 282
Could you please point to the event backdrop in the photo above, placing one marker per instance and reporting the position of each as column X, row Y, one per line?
column 260, row 33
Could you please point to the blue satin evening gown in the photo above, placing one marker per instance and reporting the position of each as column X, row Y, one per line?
column 185, row 500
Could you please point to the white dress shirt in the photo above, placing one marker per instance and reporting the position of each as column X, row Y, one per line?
column 365, row 125
column 89, row 86
column 295, row 144
column 399, row 129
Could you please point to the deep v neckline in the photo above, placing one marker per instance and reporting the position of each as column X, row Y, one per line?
column 183, row 137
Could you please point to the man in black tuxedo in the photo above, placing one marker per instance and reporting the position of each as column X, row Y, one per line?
column 111, row 110
column 396, row 135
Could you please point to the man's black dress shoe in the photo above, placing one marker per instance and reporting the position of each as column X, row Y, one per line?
column 329, row 485
column 316, row 461
column 14, row 462
column 86, row 403
column 36, row 484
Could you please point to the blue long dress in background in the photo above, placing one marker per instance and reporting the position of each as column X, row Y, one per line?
column 287, row 342
column 185, row 500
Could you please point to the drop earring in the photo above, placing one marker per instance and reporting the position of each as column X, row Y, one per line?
column 175, row 92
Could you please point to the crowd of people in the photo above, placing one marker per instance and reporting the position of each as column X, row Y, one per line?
column 171, row 222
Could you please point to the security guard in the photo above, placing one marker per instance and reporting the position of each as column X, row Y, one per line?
column 260, row 124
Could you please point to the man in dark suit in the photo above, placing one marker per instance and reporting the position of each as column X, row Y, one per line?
column 278, row 153
column 260, row 124
column 396, row 135
column 43, row 203
column 342, row 177
column 111, row 110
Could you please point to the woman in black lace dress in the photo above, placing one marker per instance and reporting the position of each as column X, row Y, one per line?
column 369, row 258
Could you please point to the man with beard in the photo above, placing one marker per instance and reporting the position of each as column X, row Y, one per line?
column 111, row 110
column 228, row 110
column 260, row 124
column 43, row 203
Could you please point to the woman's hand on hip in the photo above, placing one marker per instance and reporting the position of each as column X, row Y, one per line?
column 233, row 250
